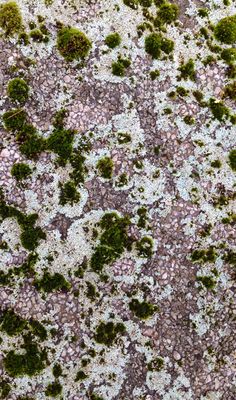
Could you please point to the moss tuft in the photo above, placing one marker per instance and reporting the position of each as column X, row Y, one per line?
column 12, row 323
column 105, row 167
column 168, row 12
column 142, row 310
column 54, row 389
column 69, row 194
column 18, row 90
column 72, row 44
column 113, row 40
column 49, row 283
column 145, row 247
column 229, row 55
column 10, row 18
column 187, row 71
column 106, row 333
column 14, row 119
column 218, row 109
column 20, row 171
column 153, row 44
column 225, row 30
column 232, row 159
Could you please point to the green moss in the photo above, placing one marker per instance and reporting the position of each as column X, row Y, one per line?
column 168, row 12
column 14, row 119
column 61, row 143
column 142, row 213
column 5, row 389
column 145, row 3
column 12, row 323
column 198, row 95
column 80, row 376
column 230, row 91
column 218, row 109
column 167, row 45
column 20, row 171
column 38, row 329
column 207, row 281
column 105, row 167
column 49, row 283
column 153, row 44
column 202, row 12
column 187, row 71
column 10, row 18
column 145, row 247
column 30, row 363
column 118, row 67
column 131, row 3
column 216, row 164
column 54, row 389
column 229, row 55
column 23, row 39
column 113, row 40
column 31, row 236
column 123, row 137
column 202, row 255
column 230, row 257
column 106, row 333
column 113, row 241
column 142, row 310
column 32, row 146
column 57, row 370
column 36, row 35
column 181, row 91
column 91, row 291
column 232, row 159
column 154, row 74
column 18, row 90
column 225, row 30
column 72, row 44
column 69, row 194
column 156, row 365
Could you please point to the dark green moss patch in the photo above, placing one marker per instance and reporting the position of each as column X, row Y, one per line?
column 12, row 323
column 229, row 55
column 225, row 30
column 69, row 193
column 38, row 329
column 105, row 167
column 54, row 389
column 57, row 370
column 5, row 389
column 113, row 40
column 106, row 333
column 60, row 142
column 145, row 247
column 131, row 3
column 21, row 171
column 113, row 241
column 49, row 283
column 230, row 91
column 10, row 18
column 18, row 90
column 232, row 159
column 187, row 71
column 123, row 137
column 218, row 109
column 14, row 119
column 207, row 281
column 156, row 364
column 30, row 363
column 204, row 255
column 142, row 310
column 80, row 376
column 119, row 67
column 72, row 44
column 168, row 12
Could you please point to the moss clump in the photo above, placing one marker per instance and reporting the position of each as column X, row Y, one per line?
column 72, row 44
column 14, row 119
column 10, row 18
column 156, row 365
column 131, row 3
column 225, row 30
column 207, row 281
column 113, row 40
column 229, row 55
column 106, row 333
column 18, row 90
column 30, row 363
column 167, row 45
column 113, row 241
column 145, row 247
column 168, row 12
column 53, row 389
column 124, row 137
column 218, row 109
column 118, row 67
column 105, row 167
column 189, row 120
column 12, row 323
column 80, row 376
column 30, row 236
column 154, row 74
column 202, row 255
column 69, row 194
column 142, row 310
column 77, row 161
column 20, row 171
column 232, row 159
column 38, row 329
column 153, row 44
column 57, row 370
column 5, row 389
column 60, row 142
column 32, row 146
column 230, row 90
column 49, row 283
column 36, row 35
column 216, row 164
column 230, row 257
column 187, row 71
